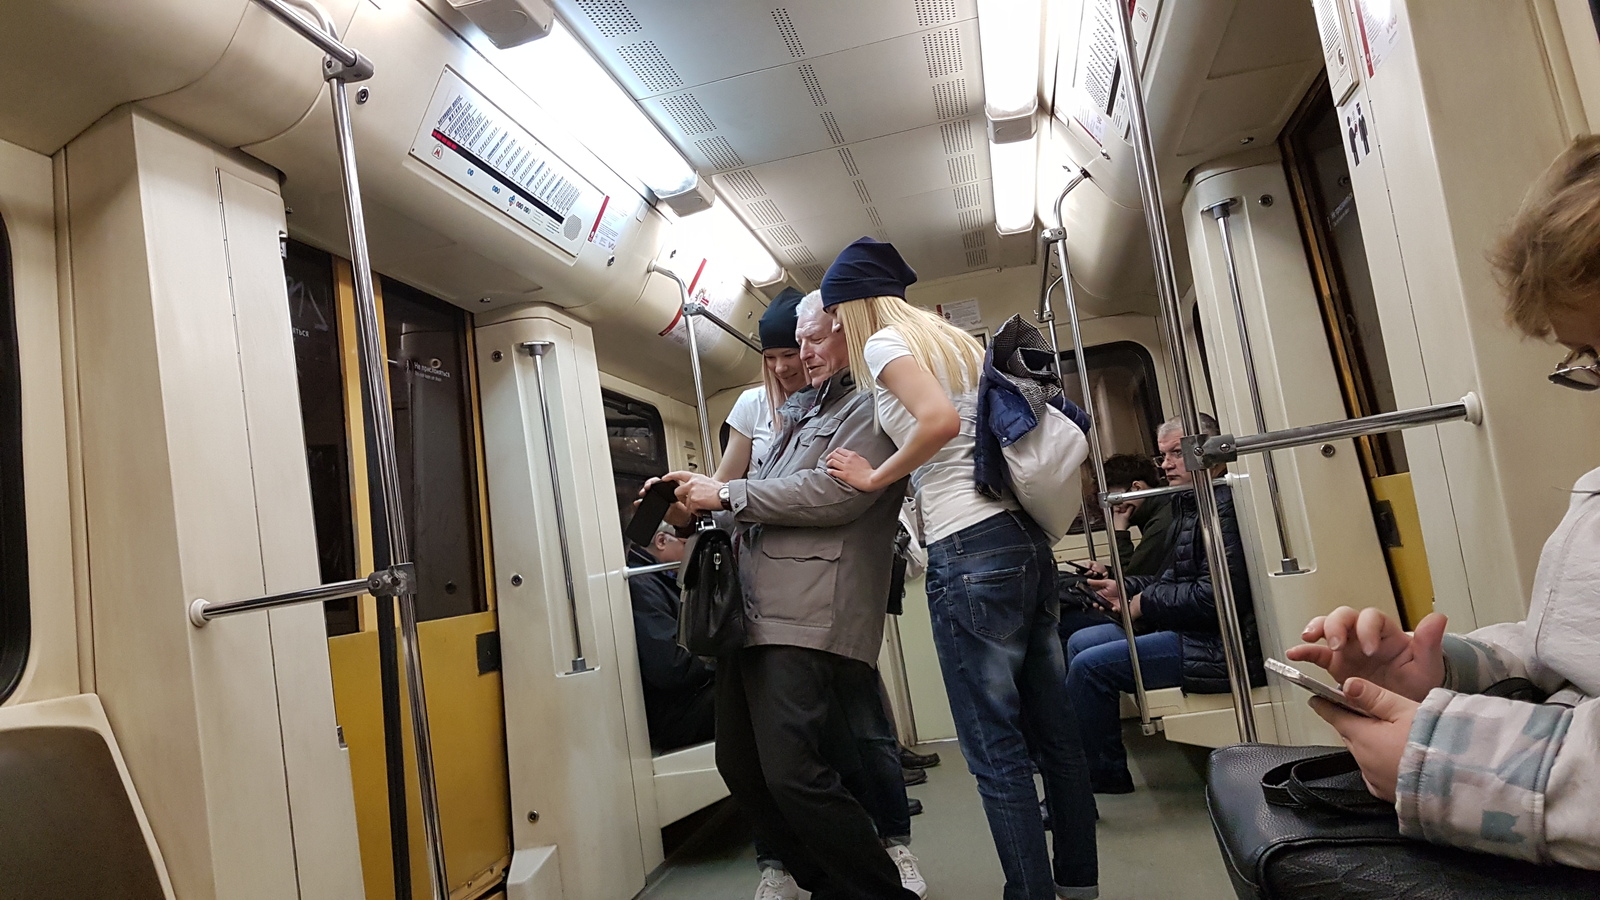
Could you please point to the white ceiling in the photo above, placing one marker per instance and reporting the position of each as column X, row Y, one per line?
column 818, row 121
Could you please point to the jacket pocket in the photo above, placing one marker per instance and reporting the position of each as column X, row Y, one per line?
column 798, row 577
column 818, row 431
column 995, row 600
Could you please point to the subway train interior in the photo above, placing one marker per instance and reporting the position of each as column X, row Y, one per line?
column 338, row 337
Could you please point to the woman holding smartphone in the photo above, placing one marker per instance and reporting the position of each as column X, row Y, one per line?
column 991, row 575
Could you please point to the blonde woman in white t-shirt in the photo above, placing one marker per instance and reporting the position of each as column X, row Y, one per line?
column 754, row 418
column 990, row 580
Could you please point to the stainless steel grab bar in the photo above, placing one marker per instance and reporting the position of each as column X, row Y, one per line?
column 695, row 309
column 538, row 349
column 1096, row 453
column 1221, row 211
column 1163, row 491
column 694, row 361
column 341, row 66
column 1172, row 322
column 1226, row 447
column 633, row 571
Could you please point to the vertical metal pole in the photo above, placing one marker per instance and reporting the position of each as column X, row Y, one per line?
column 344, row 64
column 1172, row 321
column 1047, row 316
column 1097, row 457
column 538, row 349
column 1222, row 211
column 694, row 361
column 392, row 512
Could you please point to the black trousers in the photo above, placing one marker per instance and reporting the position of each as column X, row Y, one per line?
column 774, row 716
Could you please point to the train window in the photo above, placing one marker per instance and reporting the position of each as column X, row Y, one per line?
column 314, row 320
column 430, row 388
column 14, row 620
column 638, row 447
column 1122, row 375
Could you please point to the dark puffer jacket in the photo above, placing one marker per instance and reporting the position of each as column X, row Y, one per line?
column 1182, row 600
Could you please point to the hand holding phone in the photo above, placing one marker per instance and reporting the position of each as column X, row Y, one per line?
column 652, row 509
column 1331, row 694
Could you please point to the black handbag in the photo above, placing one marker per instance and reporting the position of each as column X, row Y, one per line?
column 711, row 612
column 1298, row 823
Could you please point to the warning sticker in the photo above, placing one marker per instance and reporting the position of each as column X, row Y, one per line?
column 607, row 226
column 961, row 313
column 1379, row 24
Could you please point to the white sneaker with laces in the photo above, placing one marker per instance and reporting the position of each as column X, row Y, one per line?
column 910, row 875
column 777, row 884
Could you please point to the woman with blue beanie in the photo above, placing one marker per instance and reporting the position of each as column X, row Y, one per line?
column 753, row 420
column 991, row 575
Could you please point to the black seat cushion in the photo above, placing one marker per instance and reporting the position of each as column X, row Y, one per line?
column 67, row 828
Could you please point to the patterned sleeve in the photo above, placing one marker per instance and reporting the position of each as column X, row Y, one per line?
column 1474, row 661
column 1504, row 777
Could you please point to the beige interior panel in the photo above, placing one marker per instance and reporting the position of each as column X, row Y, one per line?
column 27, row 207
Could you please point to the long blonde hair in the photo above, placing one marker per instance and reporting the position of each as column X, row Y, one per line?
column 935, row 344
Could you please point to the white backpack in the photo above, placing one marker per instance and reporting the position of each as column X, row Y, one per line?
column 1043, row 465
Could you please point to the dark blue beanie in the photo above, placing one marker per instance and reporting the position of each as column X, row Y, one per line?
column 866, row 268
column 778, row 322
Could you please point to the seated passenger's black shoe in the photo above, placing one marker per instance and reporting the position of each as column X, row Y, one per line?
column 911, row 759
column 914, row 776
column 1121, row 784
column 913, row 806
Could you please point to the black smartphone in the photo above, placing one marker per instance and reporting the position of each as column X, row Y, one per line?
column 651, row 510
column 1083, row 570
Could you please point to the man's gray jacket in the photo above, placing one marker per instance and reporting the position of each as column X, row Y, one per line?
column 816, row 553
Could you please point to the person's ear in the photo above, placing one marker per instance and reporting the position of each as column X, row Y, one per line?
column 1139, row 486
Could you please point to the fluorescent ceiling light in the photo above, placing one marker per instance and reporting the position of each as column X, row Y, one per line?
column 1008, row 36
column 1014, row 168
column 560, row 75
column 719, row 236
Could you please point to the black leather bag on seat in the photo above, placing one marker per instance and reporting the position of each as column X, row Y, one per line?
column 1316, row 839
column 711, row 615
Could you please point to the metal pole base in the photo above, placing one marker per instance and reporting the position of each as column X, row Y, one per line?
column 197, row 612
column 579, row 666
column 1291, row 566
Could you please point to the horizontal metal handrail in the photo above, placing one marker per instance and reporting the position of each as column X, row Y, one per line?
column 1163, row 491
column 1226, row 448
column 202, row 611
column 695, row 309
column 631, row 571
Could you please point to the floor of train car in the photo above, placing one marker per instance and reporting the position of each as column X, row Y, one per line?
column 1154, row 843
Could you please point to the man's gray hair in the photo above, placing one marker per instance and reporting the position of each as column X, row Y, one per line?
column 666, row 528
column 1208, row 427
column 810, row 307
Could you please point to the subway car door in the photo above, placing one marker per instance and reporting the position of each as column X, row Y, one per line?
column 433, row 395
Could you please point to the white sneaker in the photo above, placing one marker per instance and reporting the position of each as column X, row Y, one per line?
column 910, row 875
column 777, row 884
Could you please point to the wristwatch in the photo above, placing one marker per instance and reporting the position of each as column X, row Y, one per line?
column 723, row 498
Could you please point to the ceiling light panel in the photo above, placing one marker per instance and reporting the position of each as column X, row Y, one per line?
column 844, row 98
column 709, row 40
column 866, row 173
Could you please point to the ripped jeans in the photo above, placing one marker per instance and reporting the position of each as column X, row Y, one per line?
column 992, row 598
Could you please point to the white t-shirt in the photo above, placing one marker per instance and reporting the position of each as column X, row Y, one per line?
column 946, row 491
column 752, row 418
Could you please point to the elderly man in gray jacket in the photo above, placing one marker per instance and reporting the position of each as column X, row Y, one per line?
column 815, row 559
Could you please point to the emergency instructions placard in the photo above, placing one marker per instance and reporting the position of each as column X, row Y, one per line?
column 473, row 143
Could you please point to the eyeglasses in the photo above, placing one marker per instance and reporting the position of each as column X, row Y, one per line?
column 1175, row 454
column 1579, row 370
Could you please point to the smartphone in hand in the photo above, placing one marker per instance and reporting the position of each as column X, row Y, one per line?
column 651, row 510
column 1327, row 692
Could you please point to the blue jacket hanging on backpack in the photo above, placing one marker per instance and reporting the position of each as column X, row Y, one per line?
column 1008, row 395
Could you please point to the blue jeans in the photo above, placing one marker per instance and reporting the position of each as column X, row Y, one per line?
column 992, row 598
column 1098, row 673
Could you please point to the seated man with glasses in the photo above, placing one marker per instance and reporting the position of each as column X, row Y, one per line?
column 1183, row 645
column 679, row 687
